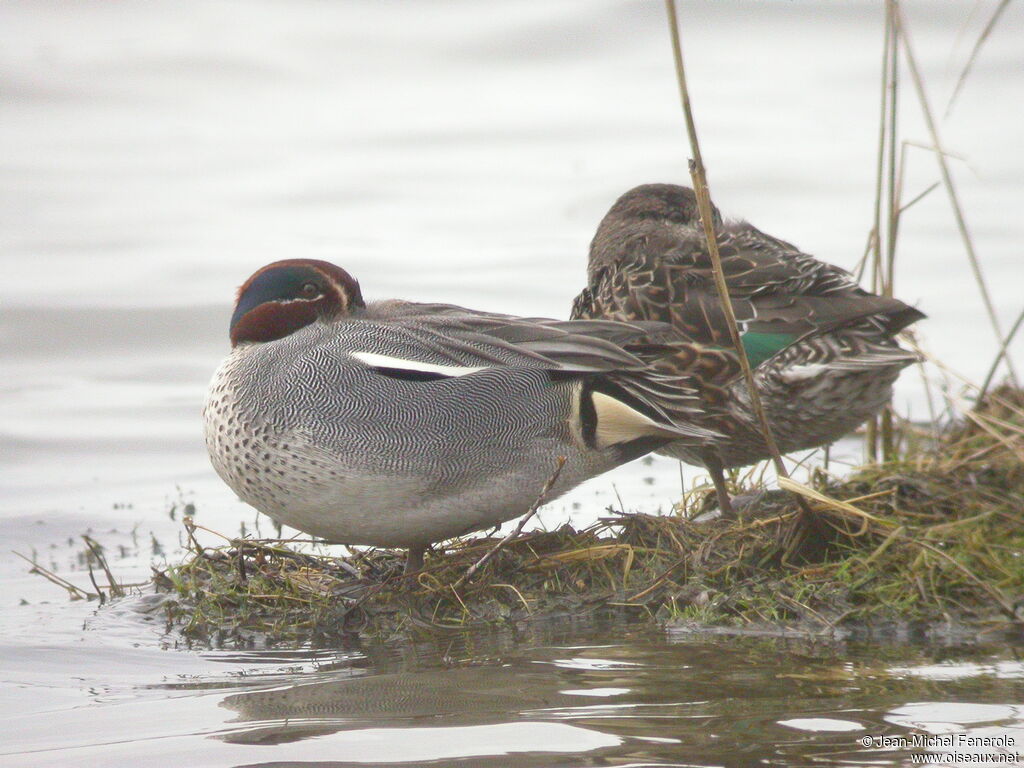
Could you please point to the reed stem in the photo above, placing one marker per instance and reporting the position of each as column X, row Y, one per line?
column 700, row 185
column 947, row 181
column 894, row 188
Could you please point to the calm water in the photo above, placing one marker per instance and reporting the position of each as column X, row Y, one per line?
column 543, row 697
column 153, row 154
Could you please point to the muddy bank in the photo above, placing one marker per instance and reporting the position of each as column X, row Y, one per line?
column 930, row 542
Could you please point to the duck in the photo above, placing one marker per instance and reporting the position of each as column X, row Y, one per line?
column 823, row 350
column 393, row 423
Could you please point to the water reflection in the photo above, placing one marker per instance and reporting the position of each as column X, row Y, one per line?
column 640, row 701
column 463, row 696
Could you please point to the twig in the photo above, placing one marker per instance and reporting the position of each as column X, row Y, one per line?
column 918, row 197
column 541, row 498
column 887, row 62
column 519, row 594
column 191, row 526
column 894, row 192
column 947, row 181
column 888, row 542
column 957, row 407
column 661, row 579
column 465, row 608
column 991, row 431
column 77, row 593
column 700, row 185
column 894, row 189
column 887, row 195
column 92, row 578
column 824, row 622
column 931, row 148
column 996, row 595
column 190, row 529
column 1002, row 353
column 974, row 53
column 842, row 506
column 97, row 552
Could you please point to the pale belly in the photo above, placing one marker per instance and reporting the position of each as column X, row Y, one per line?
column 325, row 499
column 353, row 493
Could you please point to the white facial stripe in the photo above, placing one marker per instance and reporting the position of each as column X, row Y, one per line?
column 386, row 361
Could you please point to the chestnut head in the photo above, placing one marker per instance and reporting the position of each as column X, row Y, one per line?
column 285, row 296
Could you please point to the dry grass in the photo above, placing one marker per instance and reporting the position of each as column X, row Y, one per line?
column 936, row 536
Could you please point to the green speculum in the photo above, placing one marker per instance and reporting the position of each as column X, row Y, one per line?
column 760, row 346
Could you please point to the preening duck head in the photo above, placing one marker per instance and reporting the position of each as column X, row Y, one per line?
column 285, row 296
column 652, row 217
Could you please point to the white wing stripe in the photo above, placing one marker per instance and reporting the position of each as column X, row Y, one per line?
column 375, row 360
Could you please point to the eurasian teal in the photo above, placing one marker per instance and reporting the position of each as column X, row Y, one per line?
column 401, row 424
column 823, row 348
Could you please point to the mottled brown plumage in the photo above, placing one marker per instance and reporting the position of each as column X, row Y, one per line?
column 823, row 348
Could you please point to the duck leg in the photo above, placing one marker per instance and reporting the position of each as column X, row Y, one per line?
column 414, row 560
column 714, row 467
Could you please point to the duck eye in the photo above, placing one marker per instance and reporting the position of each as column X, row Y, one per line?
column 309, row 290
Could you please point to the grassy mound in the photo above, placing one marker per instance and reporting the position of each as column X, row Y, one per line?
column 936, row 536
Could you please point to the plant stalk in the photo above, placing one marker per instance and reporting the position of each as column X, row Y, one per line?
column 700, row 185
column 947, row 181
